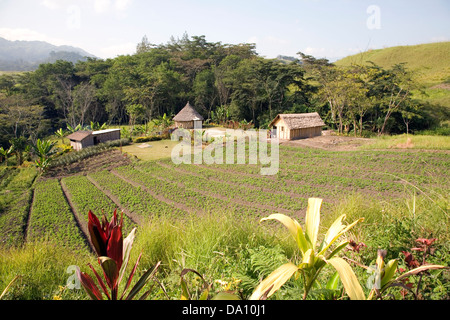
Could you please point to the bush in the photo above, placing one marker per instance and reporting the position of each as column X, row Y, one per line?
column 146, row 139
column 72, row 157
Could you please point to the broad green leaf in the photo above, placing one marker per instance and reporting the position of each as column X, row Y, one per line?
column 225, row 296
column 420, row 269
column 333, row 282
column 127, row 245
column 332, row 232
column 312, row 220
column 308, row 257
column 338, row 248
column 142, row 281
column 389, row 271
column 184, row 290
column 348, row 278
column 342, row 230
column 274, row 281
column 110, row 271
column 204, row 295
column 294, row 228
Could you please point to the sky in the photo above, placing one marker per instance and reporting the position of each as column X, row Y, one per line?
column 329, row 29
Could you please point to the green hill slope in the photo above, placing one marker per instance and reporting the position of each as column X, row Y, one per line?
column 431, row 62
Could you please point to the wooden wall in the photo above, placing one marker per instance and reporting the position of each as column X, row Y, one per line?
column 284, row 133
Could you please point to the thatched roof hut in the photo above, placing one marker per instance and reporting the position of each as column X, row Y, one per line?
column 187, row 117
column 297, row 125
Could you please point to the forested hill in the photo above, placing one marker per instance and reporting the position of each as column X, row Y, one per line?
column 27, row 55
column 225, row 82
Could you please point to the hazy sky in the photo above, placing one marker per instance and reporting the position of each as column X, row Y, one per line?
column 331, row 29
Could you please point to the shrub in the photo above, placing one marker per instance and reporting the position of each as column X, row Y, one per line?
column 146, row 139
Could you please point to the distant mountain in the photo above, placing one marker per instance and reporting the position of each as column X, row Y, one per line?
column 287, row 59
column 27, row 55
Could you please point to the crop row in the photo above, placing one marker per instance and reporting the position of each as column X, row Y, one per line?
column 52, row 219
column 267, row 184
column 15, row 199
column 13, row 219
column 86, row 196
column 223, row 188
column 341, row 162
column 357, row 171
column 134, row 198
column 196, row 200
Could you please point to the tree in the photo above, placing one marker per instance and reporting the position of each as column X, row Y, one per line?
column 83, row 98
column 134, row 111
column 394, row 90
column 60, row 134
column 144, row 45
column 19, row 145
column 6, row 152
column 44, row 150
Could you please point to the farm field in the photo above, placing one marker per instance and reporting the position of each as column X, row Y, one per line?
column 56, row 207
column 144, row 189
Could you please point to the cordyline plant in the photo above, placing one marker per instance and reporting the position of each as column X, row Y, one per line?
column 314, row 257
column 113, row 255
column 384, row 275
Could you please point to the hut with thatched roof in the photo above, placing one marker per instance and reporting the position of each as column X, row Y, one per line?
column 297, row 126
column 188, row 118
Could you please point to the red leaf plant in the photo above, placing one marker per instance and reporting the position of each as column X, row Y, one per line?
column 113, row 254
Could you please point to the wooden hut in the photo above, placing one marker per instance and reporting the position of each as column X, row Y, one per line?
column 188, row 118
column 83, row 139
column 102, row 136
column 297, row 126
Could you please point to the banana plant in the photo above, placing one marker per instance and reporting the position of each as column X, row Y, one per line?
column 6, row 153
column 314, row 256
column 113, row 255
column 60, row 134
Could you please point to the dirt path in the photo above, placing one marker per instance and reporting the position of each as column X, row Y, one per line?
column 80, row 222
column 108, row 160
column 136, row 219
column 156, row 196
column 218, row 196
column 26, row 230
column 329, row 142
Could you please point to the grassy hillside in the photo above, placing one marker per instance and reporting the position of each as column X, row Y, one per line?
column 430, row 61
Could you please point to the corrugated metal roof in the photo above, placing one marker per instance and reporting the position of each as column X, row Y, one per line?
column 104, row 131
column 79, row 135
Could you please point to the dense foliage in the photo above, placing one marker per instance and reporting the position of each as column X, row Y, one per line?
column 223, row 81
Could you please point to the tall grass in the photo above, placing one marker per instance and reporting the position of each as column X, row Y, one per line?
column 41, row 267
column 394, row 225
column 428, row 142
column 239, row 249
column 217, row 246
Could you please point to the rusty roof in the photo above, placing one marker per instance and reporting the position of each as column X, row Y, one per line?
column 79, row 135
